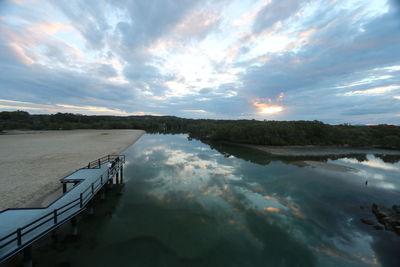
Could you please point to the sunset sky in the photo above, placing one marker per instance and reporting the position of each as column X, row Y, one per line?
column 337, row 61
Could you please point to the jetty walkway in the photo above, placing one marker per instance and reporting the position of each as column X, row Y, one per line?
column 20, row 228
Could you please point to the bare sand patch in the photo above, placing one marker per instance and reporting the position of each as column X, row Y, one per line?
column 329, row 166
column 32, row 162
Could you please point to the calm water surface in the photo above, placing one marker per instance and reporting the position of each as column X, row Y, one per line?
column 185, row 204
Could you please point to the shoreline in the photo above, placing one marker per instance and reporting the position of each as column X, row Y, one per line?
column 34, row 161
column 315, row 151
column 328, row 166
column 310, row 156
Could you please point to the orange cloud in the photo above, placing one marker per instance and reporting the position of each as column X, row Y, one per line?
column 21, row 54
column 264, row 59
column 307, row 33
column 272, row 209
column 264, row 106
column 196, row 23
column 250, row 16
column 50, row 28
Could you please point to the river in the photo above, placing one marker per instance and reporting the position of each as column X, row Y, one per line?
column 185, row 203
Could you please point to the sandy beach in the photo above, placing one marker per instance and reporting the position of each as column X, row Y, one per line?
column 32, row 162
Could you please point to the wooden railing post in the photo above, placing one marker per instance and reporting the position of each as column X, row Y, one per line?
column 122, row 173
column 19, row 237
column 55, row 216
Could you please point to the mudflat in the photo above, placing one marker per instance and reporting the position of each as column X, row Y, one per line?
column 320, row 151
column 293, row 151
column 32, row 162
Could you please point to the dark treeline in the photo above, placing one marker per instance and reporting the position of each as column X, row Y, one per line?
column 237, row 131
column 22, row 120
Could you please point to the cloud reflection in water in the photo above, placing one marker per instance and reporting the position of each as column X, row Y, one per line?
column 314, row 209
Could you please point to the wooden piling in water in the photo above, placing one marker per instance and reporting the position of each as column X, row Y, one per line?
column 28, row 256
column 91, row 209
column 74, row 226
column 103, row 194
column 54, row 235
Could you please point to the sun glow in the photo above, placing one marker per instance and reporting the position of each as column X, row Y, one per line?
column 271, row 109
column 265, row 106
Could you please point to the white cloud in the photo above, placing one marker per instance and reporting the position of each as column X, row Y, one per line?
column 368, row 80
column 374, row 91
column 390, row 68
column 66, row 108
column 195, row 110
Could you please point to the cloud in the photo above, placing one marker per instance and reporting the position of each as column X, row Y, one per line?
column 48, row 108
column 21, row 54
column 105, row 70
column 375, row 91
column 50, row 28
column 88, row 18
column 336, row 61
column 150, row 20
column 275, row 11
column 196, row 24
column 137, row 72
column 368, row 80
column 266, row 106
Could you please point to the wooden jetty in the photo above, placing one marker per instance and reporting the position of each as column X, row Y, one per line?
column 20, row 228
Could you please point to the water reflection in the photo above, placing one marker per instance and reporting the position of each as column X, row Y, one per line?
column 259, row 157
column 319, row 209
column 185, row 204
column 374, row 162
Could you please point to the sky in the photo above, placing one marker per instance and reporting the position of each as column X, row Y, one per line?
column 336, row 61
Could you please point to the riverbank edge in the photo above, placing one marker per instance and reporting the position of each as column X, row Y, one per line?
column 318, row 151
column 47, row 198
column 50, row 190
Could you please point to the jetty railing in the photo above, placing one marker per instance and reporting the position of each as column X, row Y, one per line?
column 23, row 236
column 97, row 163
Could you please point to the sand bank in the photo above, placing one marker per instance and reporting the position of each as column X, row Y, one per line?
column 300, row 151
column 33, row 161
column 329, row 166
